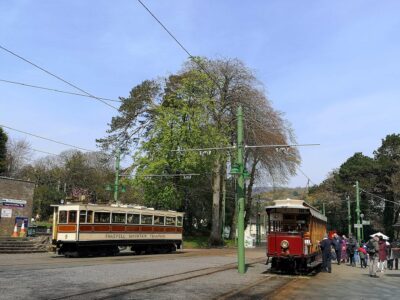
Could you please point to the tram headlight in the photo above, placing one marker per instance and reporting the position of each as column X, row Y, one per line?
column 285, row 244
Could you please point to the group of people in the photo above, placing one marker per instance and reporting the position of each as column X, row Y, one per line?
column 378, row 253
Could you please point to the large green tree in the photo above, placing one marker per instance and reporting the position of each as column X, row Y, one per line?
column 194, row 109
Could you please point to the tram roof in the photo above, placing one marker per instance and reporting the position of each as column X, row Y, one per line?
column 116, row 208
column 299, row 204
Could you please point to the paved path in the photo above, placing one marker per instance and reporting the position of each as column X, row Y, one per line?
column 344, row 282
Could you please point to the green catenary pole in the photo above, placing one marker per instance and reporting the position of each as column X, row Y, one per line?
column 223, row 207
column 349, row 214
column 240, row 192
column 116, row 183
column 358, row 211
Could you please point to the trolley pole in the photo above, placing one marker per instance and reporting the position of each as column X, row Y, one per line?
column 240, row 192
column 358, row 211
column 349, row 214
column 116, row 183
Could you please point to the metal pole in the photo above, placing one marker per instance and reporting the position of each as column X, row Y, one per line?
column 240, row 192
column 362, row 231
column 258, row 222
column 116, row 183
column 358, row 211
column 349, row 214
column 323, row 208
column 223, row 206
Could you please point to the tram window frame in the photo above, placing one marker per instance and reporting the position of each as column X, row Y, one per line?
column 82, row 213
column 100, row 221
column 160, row 220
column 167, row 219
column 146, row 216
column 133, row 219
column 89, row 216
column 62, row 217
column 119, row 221
column 179, row 221
column 72, row 212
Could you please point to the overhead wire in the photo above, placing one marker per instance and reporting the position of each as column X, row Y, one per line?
column 180, row 45
column 305, row 175
column 381, row 198
column 55, row 76
column 47, row 139
column 56, row 90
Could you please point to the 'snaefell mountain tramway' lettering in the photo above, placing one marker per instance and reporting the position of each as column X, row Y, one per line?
column 134, row 236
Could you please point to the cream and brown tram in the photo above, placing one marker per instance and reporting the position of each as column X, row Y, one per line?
column 90, row 229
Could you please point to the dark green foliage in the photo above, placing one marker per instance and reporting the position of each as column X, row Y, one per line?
column 3, row 151
column 43, row 197
column 379, row 175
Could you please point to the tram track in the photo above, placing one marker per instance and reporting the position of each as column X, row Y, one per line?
column 114, row 291
column 65, row 263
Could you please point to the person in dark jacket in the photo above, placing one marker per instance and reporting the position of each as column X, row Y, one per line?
column 337, row 243
column 326, row 247
column 351, row 248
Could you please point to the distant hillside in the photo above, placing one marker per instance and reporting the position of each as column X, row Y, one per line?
column 281, row 193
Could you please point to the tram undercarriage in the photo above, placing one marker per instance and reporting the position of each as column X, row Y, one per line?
column 82, row 249
column 295, row 265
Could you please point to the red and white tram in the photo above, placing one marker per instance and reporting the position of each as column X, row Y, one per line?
column 294, row 231
column 90, row 229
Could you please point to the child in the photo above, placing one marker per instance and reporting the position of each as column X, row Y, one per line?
column 363, row 253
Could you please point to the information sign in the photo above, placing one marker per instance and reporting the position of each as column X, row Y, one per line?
column 13, row 202
column 6, row 213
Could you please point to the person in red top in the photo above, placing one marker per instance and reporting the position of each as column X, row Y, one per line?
column 363, row 253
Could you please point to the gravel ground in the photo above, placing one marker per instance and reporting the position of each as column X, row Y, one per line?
column 36, row 277
column 46, row 276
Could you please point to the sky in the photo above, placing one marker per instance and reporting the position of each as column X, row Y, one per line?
column 332, row 67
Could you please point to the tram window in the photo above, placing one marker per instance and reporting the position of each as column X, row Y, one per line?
column 118, row 218
column 178, row 221
column 72, row 216
column 158, row 220
column 82, row 216
column 147, row 219
column 63, row 217
column 101, row 217
column 133, row 219
column 170, row 221
column 89, row 218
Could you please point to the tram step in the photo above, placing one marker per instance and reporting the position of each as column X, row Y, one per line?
column 314, row 264
column 20, row 243
column 22, row 251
